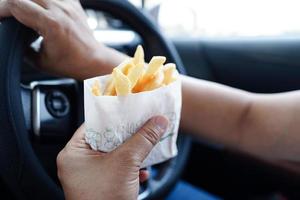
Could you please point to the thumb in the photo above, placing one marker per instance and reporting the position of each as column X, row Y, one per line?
column 141, row 143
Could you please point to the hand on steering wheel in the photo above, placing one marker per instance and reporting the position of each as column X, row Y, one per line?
column 88, row 174
column 68, row 44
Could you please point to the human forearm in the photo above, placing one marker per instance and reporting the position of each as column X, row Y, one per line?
column 273, row 126
column 260, row 124
column 102, row 62
column 213, row 111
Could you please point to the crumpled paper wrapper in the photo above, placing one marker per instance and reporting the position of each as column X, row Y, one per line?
column 111, row 120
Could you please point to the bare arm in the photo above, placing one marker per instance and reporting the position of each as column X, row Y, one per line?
column 213, row 111
column 272, row 126
column 260, row 124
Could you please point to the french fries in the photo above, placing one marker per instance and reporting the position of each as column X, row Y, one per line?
column 155, row 82
column 96, row 90
column 121, row 82
column 138, row 58
column 126, row 66
column 133, row 76
column 110, row 88
column 155, row 65
column 170, row 73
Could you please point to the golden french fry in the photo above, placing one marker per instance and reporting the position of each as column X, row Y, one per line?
column 96, row 88
column 110, row 88
column 170, row 73
column 154, row 66
column 154, row 82
column 138, row 58
column 121, row 82
column 126, row 66
column 135, row 74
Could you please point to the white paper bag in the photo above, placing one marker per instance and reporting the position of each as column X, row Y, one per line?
column 110, row 120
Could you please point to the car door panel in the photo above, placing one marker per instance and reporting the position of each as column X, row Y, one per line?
column 262, row 65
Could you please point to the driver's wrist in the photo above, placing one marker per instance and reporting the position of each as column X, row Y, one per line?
column 104, row 60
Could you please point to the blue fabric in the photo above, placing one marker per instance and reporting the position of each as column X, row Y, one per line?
column 186, row 191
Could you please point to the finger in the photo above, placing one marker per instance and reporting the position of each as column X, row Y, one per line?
column 43, row 3
column 28, row 13
column 4, row 11
column 78, row 139
column 79, row 134
column 141, row 143
column 78, row 142
column 144, row 175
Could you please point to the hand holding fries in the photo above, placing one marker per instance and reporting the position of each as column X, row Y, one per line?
column 133, row 76
column 147, row 90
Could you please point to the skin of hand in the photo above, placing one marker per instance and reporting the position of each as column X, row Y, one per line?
column 88, row 174
column 68, row 43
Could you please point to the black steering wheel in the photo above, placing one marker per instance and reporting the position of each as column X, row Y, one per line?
column 20, row 168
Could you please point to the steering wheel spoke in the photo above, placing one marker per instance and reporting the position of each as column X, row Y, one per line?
column 26, row 104
column 51, row 111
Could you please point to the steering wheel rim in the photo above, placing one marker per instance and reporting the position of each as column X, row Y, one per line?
column 18, row 161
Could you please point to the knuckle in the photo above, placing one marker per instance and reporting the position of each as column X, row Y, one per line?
column 53, row 22
column 150, row 133
column 58, row 25
column 60, row 158
column 59, row 164
column 62, row 162
column 129, row 158
column 12, row 3
column 125, row 154
column 69, row 10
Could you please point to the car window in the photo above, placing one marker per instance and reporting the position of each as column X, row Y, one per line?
column 226, row 18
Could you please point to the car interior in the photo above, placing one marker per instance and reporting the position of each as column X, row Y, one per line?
column 33, row 131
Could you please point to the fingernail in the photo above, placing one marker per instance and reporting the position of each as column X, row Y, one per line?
column 161, row 122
